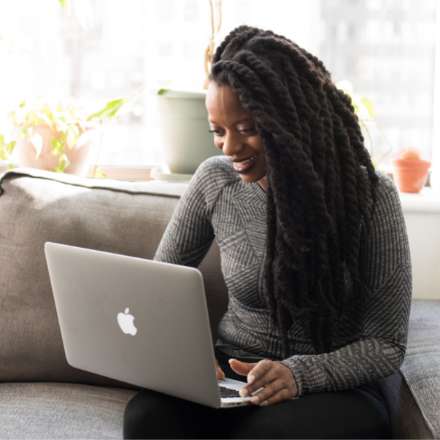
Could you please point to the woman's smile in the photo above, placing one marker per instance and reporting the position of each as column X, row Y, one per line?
column 245, row 165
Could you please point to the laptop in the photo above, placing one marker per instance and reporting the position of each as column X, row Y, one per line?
column 139, row 321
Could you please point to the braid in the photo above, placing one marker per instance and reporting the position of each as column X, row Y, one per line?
column 322, row 184
column 234, row 39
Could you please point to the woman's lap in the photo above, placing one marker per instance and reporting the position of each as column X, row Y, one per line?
column 357, row 413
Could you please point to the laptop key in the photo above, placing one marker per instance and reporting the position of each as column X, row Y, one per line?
column 228, row 392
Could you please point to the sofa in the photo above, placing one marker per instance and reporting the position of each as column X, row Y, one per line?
column 41, row 396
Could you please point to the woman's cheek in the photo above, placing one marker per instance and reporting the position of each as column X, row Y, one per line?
column 218, row 145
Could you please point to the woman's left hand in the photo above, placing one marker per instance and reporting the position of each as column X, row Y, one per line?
column 275, row 379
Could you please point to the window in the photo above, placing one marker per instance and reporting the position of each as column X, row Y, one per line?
column 95, row 50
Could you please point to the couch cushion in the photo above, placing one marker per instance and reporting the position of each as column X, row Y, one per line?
column 413, row 393
column 38, row 206
column 421, row 367
column 55, row 410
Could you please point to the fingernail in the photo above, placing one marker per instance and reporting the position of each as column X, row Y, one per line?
column 244, row 392
column 254, row 400
column 251, row 378
column 265, row 403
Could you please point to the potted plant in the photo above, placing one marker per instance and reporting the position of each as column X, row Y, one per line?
column 183, row 120
column 410, row 170
column 59, row 137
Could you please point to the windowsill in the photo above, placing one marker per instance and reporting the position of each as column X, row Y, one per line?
column 428, row 200
column 127, row 173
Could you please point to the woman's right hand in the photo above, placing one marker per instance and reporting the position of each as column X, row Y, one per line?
column 219, row 372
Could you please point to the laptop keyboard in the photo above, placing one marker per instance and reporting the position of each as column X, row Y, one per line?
column 228, row 392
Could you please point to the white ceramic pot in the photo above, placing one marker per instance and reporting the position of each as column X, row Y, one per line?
column 184, row 130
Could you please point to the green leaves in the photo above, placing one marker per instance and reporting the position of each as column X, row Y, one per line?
column 161, row 92
column 6, row 148
column 63, row 163
column 58, row 145
column 108, row 111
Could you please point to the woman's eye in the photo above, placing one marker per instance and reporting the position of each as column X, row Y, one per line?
column 216, row 132
column 247, row 130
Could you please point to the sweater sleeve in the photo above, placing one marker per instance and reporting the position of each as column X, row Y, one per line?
column 189, row 233
column 381, row 349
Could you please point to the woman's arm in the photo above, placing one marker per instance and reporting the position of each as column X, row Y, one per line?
column 381, row 350
column 189, row 233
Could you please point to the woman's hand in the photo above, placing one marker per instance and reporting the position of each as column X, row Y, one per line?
column 275, row 379
column 219, row 372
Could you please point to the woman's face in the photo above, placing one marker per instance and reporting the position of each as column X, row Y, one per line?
column 235, row 134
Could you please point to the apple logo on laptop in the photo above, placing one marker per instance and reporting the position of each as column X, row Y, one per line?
column 125, row 321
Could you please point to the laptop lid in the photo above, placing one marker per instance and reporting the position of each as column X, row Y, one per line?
column 139, row 321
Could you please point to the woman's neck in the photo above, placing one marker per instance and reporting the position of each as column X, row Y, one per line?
column 263, row 183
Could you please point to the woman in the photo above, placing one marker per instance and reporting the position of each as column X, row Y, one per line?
column 314, row 254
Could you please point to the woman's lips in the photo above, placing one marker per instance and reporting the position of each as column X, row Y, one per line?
column 244, row 165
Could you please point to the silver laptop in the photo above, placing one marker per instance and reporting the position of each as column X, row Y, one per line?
column 139, row 321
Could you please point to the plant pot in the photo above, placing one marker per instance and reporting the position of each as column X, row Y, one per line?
column 184, row 130
column 81, row 156
column 410, row 175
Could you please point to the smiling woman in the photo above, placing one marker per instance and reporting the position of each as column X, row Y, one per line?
column 307, row 230
column 235, row 133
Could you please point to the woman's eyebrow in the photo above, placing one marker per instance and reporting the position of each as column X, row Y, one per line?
column 245, row 119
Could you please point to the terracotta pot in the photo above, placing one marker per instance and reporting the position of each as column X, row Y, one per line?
column 79, row 155
column 410, row 175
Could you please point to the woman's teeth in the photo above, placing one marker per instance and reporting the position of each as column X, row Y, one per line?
column 244, row 165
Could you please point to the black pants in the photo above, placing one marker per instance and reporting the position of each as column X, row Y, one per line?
column 356, row 413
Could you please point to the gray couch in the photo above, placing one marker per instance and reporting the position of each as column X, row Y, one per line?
column 41, row 396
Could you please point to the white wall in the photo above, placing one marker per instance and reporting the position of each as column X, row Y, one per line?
column 422, row 217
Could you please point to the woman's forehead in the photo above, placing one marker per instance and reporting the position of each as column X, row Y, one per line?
column 223, row 103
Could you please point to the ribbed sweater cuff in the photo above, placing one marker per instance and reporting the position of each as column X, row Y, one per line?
column 297, row 370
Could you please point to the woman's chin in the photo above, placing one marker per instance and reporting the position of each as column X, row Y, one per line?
column 252, row 178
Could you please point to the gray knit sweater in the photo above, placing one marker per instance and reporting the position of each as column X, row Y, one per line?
column 218, row 205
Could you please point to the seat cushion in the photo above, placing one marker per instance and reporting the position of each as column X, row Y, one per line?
column 56, row 410
column 413, row 393
column 421, row 367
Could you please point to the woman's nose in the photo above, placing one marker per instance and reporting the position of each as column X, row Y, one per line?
column 232, row 144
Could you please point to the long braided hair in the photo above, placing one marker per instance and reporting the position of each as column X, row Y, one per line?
column 322, row 184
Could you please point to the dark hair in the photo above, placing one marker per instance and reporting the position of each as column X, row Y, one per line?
column 322, row 184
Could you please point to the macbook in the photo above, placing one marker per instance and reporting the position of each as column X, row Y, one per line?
column 139, row 321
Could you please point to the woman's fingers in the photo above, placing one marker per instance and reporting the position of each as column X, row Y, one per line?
column 259, row 376
column 261, row 379
column 218, row 371
column 242, row 368
column 270, row 390
column 274, row 382
column 275, row 397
